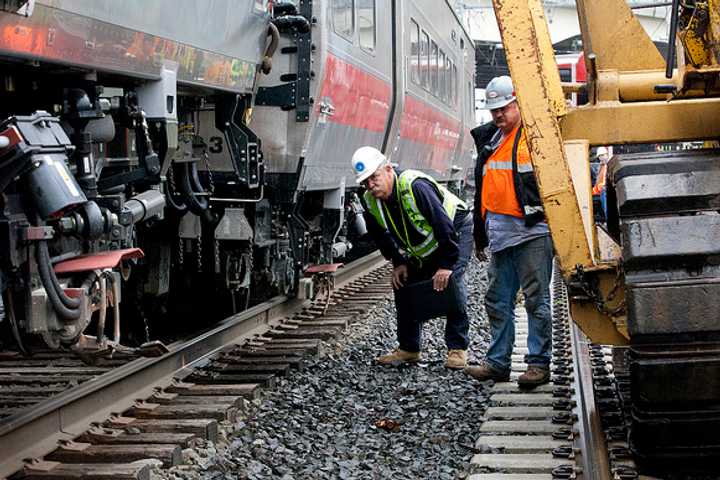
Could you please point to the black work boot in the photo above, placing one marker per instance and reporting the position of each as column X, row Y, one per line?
column 533, row 376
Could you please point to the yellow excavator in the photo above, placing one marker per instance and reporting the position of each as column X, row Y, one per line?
column 647, row 280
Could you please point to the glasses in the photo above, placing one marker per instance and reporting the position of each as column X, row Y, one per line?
column 374, row 178
column 502, row 109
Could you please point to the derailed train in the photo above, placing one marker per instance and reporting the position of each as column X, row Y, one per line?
column 186, row 157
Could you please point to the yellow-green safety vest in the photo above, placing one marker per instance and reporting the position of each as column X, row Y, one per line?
column 406, row 197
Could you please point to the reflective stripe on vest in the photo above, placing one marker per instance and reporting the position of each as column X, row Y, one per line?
column 498, row 188
column 451, row 203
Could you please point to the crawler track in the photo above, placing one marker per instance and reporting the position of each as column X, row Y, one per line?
column 186, row 392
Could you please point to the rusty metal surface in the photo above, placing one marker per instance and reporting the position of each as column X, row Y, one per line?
column 530, row 58
column 102, row 260
column 643, row 122
column 611, row 32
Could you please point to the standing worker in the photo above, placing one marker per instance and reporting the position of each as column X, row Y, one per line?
column 603, row 155
column 427, row 233
column 510, row 220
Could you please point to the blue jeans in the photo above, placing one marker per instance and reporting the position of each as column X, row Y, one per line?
column 409, row 331
column 528, row 265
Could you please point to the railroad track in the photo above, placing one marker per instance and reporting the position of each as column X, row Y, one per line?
column 70, row 415
column 571, row 428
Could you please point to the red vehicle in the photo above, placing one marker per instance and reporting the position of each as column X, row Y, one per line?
column 572, row 69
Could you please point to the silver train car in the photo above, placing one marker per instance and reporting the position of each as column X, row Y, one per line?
column 178, row 160
column 394, row 74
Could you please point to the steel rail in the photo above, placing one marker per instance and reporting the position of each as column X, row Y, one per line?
column 37, row 431
column 590, row 441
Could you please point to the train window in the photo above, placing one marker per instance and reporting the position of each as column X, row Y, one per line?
column 453, row 86
column 448, row 80
column 434, row 68
column 471, row 101
column 366, row 24
column 424, row 58
column 414, row 52
column 343, row 16
column 442, row 71
column 565, row 74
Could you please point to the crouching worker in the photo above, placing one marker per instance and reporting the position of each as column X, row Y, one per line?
column 427, row 233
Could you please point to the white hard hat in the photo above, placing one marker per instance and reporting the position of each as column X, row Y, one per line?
column 602, row 151
column 365, row 161
column 499, row 92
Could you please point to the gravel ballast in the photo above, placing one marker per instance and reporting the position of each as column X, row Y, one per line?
column 343, row 417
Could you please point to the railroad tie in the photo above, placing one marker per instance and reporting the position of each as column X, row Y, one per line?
column 520, row 434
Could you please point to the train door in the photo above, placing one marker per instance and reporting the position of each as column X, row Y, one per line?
column 352, row 103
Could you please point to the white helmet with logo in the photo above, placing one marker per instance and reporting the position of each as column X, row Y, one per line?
column 365, row 161
column 499, row 92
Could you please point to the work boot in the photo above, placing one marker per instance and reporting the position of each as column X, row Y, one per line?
column 397, row 357
column 485, row 372
column 534, row 376
column 456, row 359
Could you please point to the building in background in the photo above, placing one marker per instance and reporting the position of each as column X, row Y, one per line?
column 479, row 19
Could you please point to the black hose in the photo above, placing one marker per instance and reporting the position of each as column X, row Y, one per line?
column 180, row 207
column 196, row 205
column 69, row 302
column 274, row 35
column 197, row 186
column 52, row 286
column 10, row 308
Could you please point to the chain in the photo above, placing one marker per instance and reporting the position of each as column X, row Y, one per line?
column 199, row 252
column 620, row 309
column 211, row 182
column 143, row 317
column 181, row 251
column 171, row 179
column 216, row 248
column 250, row 264
column 593, row 294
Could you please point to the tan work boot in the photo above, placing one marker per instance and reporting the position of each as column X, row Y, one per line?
column 533, row 377
column 397, row 357
column 485, row 372
column 456, row 359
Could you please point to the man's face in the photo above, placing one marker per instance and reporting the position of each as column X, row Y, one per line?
column 507, row 117
column 380, row 183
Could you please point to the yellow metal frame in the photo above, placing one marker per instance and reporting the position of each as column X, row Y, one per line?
column 624, row 67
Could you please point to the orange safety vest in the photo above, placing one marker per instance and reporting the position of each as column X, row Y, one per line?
column 498, row 188
column 600, row 181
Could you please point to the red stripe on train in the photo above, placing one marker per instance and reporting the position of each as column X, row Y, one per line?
column 424, row 124
column 362, row 100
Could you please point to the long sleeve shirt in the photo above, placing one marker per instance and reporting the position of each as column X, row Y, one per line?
column 431, row 207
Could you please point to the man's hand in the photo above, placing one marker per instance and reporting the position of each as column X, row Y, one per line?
column 441, row 279
column 399, row 276
column 481, row 255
